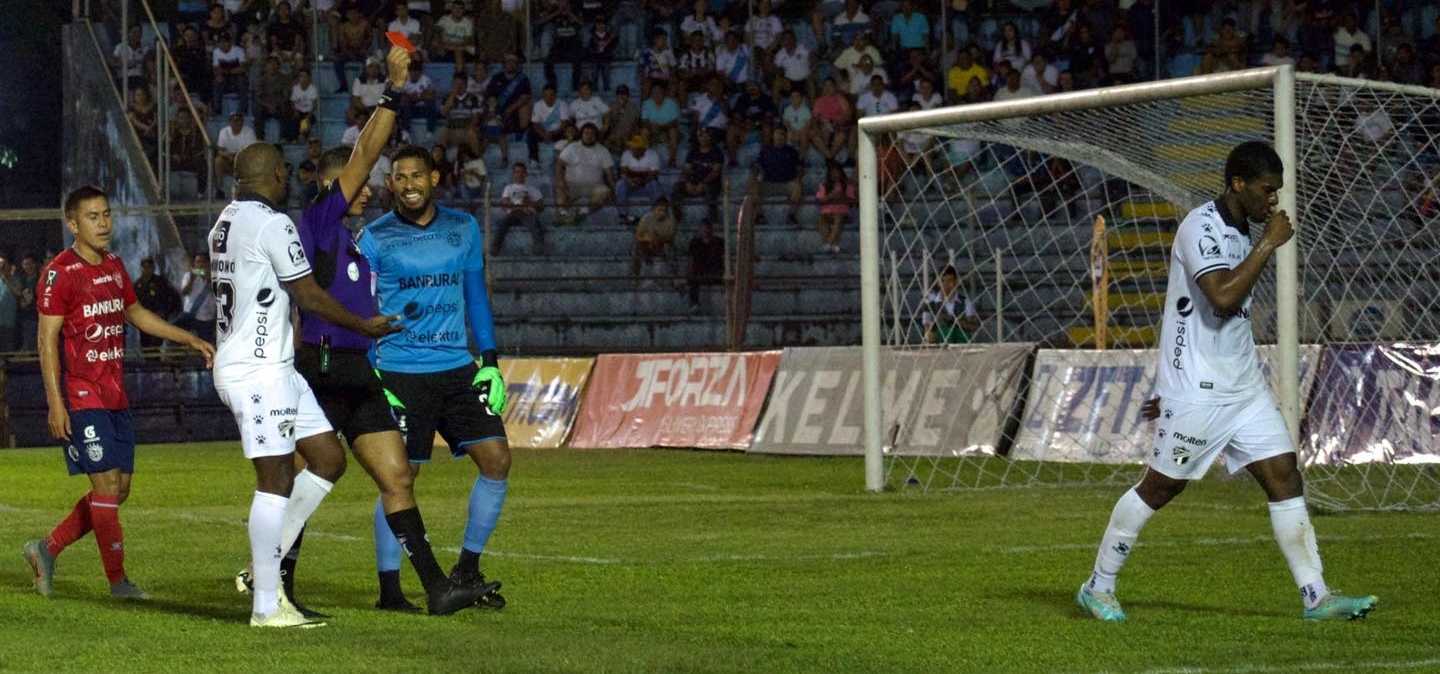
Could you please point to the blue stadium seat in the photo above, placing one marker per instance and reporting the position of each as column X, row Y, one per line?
column 333, row 105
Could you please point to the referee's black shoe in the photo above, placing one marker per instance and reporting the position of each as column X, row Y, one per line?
column 456, row 596
column 491, row 600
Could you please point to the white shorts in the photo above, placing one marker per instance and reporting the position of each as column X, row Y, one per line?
column 1191, row 436
column 272, row 414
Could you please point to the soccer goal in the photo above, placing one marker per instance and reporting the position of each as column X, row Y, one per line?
column 1056, row 215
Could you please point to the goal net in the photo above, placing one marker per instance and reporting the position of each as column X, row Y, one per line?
column 1056, row 214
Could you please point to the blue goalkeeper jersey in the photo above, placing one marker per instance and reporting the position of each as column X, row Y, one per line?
column 421, row 272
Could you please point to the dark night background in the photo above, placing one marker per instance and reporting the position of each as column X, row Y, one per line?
column 30, row 102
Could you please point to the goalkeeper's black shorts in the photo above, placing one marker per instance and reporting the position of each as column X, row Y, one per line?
column 444, row 402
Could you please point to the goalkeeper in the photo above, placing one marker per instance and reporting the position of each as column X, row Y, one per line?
column 429, row 268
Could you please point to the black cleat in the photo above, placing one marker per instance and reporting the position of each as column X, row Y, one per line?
column 456, row 596
column 491, row 600
column 401, row 605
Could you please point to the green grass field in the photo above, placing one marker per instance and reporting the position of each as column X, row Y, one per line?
column 676, row 561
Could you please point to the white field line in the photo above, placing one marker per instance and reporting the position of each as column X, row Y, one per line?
column 1200, row 542
column 569, row 559
column 1298, row 667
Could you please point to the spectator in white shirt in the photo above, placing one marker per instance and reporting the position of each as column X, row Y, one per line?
column 233, row 138
column 584, row 169
column 365, row 91
column 409, row 25
column 876, row 100
column 455, row 36
column 587, row 108
column 229, row 64
column 1347, row 35
column 547, row 119
column 795, row 68
column 304, row 96
column 130, row 57
column 1040, row 75
column 521, row 204
column 639, row 175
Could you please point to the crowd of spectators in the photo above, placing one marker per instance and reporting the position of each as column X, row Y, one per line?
column 770, row 88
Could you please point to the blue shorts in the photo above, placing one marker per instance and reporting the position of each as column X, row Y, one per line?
column 100, row 440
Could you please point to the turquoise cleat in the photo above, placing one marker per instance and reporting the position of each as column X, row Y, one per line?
column 43, row 563
column 1102, row 605
column 1340, row 607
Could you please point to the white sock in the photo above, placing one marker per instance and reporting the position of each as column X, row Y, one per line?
column 266, row 513
column 1126, row 520
column 305, row 496
column 1291, row 523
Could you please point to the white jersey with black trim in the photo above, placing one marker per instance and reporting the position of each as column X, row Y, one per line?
column 1206, row 357
column 254, row 248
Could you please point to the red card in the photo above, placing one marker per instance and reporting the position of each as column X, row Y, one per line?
column 398, row 39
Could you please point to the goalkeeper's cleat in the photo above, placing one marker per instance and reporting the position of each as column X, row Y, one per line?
column 1102, row 605
column 283, row 616
column 454, row 596
column 127, row 590
column 1340, row 607
column 43, row 563
column 244, row 584
column 491, row 600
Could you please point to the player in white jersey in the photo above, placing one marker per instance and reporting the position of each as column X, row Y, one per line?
column 258, row 265
column 1214, row 398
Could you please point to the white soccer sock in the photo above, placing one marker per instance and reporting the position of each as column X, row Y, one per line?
column 1126, row 520
column 267, row 511
column 305, row 496
column 1291, row 523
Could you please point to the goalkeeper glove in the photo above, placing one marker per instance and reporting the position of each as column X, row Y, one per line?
column 489, row 383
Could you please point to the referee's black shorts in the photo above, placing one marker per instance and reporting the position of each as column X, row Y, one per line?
column 444, row 402
column 349, row 392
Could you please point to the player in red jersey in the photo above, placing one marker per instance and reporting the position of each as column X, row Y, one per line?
column 85, row 298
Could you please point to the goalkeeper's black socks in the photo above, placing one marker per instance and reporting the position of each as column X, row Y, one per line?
column 468, row 565
column 409, row 529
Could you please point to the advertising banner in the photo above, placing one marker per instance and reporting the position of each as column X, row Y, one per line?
column 1084, row 406
column 1377, row 403
column 544, row 397
column 946, row 401
column 703, row 400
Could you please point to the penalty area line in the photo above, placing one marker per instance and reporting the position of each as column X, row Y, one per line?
column 1203, row 542
column 1297, row 667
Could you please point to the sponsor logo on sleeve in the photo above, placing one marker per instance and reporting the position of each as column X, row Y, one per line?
column 297, row 253
column 1209, row 248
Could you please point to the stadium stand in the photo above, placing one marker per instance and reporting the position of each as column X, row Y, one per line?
column 578, row 295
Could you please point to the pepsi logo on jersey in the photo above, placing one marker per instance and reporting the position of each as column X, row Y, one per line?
column 95, row 332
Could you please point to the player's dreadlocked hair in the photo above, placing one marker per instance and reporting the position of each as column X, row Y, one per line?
column 1250, row 160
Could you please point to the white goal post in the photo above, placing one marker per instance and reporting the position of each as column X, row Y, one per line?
column 1002, row 191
